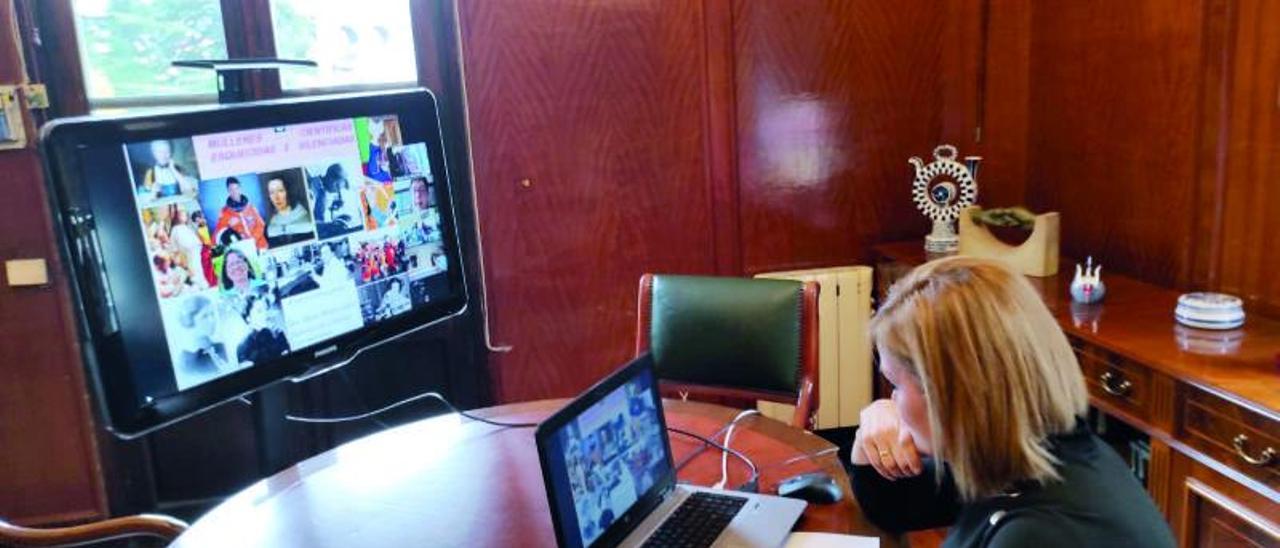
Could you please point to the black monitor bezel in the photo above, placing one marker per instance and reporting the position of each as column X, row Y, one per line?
column 547, row 429
column 107, row 371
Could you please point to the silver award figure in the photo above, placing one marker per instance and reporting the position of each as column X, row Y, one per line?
column 942, row 188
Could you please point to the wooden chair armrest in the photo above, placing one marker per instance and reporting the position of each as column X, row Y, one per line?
column 806, row 414
column 807, row 398
column 152, row 525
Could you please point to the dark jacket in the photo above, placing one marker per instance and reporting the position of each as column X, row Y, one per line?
column 262, row 345
column 1097, row 503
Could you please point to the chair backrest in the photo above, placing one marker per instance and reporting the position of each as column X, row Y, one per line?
column 744, row 337
column 148, row 525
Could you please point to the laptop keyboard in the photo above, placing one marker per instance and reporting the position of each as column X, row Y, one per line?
column 697, row 522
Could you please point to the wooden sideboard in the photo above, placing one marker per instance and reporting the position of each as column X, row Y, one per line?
column 1208, row 402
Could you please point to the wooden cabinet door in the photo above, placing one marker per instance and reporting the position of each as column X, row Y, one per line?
column 1212, row 510
column 49, row 467
column 588, row 138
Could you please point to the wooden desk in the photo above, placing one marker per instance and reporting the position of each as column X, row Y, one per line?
column 449, row 481
column 1191, row 392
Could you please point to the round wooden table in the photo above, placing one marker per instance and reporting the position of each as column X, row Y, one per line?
column 450, row 481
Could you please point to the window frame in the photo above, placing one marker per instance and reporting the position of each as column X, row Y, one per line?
column 248, row 31
column 347, row 88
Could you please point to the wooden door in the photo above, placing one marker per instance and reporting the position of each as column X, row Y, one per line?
column 48, row 459
column 588, row 140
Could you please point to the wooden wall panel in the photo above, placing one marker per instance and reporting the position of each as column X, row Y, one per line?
column 722, row 143
column 832, row 98
column 986, row 60
column 1247, row 261
column 1114, row 89
column 587, row 134
column 48, row 467
column 48, row 457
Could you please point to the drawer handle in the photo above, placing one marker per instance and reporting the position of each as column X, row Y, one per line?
column 1263, row 459
column 1111, row 386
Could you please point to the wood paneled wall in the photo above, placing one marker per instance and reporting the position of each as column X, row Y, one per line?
column 1242, row 179
column 731, row 137
column 832, row 98
column 1114, row 89
column 48, row 446
column 1154, row 128
column 738, row 136
column 49, row 454
column 986, row 59
column 589, row 144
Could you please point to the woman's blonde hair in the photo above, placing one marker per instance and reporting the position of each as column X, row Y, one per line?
column 998, row 374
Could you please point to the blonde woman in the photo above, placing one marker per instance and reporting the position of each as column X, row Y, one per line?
column 984, row 432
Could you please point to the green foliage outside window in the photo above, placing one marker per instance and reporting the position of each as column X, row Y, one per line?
column 127, row 46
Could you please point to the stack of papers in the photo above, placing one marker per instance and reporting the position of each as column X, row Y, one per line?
column 830, row 540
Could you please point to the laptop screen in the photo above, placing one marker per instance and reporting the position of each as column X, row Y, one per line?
column 607, row 456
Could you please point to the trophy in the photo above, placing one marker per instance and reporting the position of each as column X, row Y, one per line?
column 1087, row 287
column 942, row 188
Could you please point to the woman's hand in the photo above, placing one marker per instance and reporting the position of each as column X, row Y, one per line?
column 884, row 444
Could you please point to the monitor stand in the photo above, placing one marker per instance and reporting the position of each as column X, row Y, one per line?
column 270, row 404
column 233, row 73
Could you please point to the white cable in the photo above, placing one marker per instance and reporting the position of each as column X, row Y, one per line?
column 475, row 199
column 375, row 412
column 724, row 455
column 379, row 411
column 798, row 458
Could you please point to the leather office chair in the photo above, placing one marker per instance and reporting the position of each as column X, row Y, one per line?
column 733, row 338
column 142, row 525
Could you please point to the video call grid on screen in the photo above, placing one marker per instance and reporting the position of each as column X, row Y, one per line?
column 613, row 454
column 265, row 241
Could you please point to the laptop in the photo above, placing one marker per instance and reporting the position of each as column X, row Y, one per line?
column 606, row 461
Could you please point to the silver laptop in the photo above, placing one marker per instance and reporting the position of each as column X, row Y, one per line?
column 607, row 465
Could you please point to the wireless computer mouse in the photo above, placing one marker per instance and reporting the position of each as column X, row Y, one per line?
column 815, row 487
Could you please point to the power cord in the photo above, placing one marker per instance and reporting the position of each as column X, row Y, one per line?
column 728, row 435
column 752, row 485
column 351, row 385
column 372, row 414
column 694, row 454
column 800, row 457
column 728, row 427
column 406, row 401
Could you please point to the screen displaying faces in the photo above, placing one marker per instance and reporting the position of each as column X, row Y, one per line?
column 613, row 454
column 265, row 241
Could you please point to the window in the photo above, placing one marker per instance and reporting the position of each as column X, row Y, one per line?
column 357, row 44
column 126, row 47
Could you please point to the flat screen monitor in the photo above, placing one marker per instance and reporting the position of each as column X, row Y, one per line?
column 215, row 251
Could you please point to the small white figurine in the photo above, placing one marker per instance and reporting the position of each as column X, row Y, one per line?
column 1087, row 286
